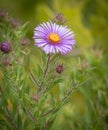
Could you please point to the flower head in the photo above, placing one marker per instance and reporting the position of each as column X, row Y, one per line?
column 5, row 47
column 54, row 38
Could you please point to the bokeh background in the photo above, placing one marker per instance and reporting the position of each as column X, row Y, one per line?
column 88, row 107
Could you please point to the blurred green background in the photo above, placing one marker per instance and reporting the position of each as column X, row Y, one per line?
column 88, row 107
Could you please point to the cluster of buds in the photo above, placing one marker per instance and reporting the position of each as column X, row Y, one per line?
column 5, row 47
column 8, row 41
column 59, row 18
column 4, row 16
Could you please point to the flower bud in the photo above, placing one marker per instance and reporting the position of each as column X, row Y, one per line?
column 24, row 41
column 35, row 97
column 59, row 68
column 5, row 47
column 6, row 61
column 15, row 23
column 84, row 64
column 2, row 13
column 59, row 18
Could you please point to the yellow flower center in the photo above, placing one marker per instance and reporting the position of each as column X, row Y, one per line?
column 54, row 38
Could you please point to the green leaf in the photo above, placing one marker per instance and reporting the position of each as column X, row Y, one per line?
column 19, row 122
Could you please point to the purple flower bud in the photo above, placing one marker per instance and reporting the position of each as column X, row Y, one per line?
column 5, row 47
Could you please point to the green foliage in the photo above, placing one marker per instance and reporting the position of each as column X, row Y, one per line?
column 75, row 99
column 34, row 104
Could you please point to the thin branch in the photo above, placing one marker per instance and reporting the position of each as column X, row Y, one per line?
column 9, row 115
column 10, row 119
column 45, row 71
column 47, row 113
column 47, row 123
column 31, row 116
column 67, row 95
column 69, row 92
column 34, row 79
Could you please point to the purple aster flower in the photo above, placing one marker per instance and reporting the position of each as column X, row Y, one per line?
column 53, row 38
column 5, row 47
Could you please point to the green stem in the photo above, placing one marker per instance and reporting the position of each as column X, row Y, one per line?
column 69, row 92
column 45, row 71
